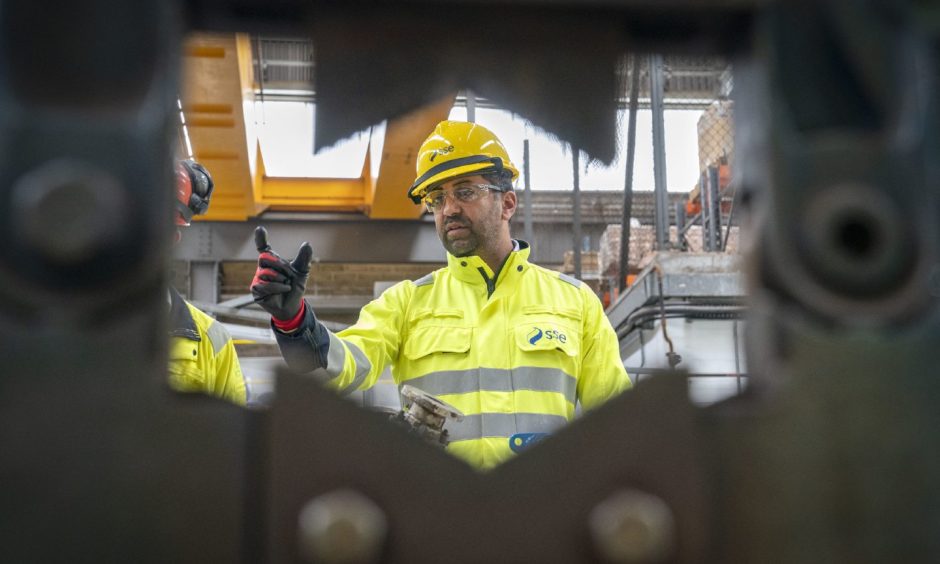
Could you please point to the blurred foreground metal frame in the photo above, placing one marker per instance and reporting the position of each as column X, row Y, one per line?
column 831, row 455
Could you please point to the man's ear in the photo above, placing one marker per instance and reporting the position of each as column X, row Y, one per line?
column 510, row 201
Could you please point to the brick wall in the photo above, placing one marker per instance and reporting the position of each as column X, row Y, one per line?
column 331, row 279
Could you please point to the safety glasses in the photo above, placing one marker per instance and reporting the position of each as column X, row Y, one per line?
column 462, row 194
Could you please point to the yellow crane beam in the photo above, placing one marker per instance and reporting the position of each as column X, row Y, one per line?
column 212, row 105
column 403, row 137
column 218, row 104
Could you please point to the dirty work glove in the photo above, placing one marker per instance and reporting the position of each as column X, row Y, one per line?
column 278, row 286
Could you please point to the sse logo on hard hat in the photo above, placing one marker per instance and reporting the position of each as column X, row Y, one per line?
column 464, row 149
column 443, row 151
column 550, row 335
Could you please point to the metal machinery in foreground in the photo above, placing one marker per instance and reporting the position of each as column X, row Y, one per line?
column 830, row 455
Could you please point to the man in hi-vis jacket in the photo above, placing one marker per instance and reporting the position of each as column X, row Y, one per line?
column 512, row 345
column 202, row 354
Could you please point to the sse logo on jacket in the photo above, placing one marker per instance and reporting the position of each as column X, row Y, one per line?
column 552, row 334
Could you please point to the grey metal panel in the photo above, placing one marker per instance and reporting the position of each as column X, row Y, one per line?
column 357, row 240
column 684, row 275
column 721, row 284
column 332, row 240
column 204, row 281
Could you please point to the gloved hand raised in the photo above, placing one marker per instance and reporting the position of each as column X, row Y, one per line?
column 278, row 286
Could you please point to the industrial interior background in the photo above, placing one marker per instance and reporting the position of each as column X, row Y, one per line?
column 827, row 452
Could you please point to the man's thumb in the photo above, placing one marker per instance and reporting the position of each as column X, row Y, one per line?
column 261, row 239
column 302, row 262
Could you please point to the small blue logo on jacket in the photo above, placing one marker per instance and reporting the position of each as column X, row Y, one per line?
column 535, row 335
column 550, row 334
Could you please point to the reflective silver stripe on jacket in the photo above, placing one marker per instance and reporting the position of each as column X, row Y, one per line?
column 570, row 279
column 498, row 380
column 218, row 336
column 336, row 359
column 502, row 425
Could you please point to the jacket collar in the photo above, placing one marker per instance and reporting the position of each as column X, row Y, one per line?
column 473, row 270
column 182, row 323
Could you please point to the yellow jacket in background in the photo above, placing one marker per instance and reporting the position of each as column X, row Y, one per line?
column 202, row 355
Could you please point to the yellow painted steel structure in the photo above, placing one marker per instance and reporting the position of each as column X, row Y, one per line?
column 403, row 137
column 212, row 105
column 218, row 104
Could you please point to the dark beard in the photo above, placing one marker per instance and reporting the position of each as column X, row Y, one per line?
column 468, row 246
column 483, row 231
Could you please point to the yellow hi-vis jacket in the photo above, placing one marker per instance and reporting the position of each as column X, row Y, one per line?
column 514, row 354
column 202, row 355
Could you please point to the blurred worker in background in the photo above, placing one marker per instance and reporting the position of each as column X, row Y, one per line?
column 202, row 355
column 512, row 345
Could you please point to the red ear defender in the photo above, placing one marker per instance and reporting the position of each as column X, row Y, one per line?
column 184, row 190
column 193, row 189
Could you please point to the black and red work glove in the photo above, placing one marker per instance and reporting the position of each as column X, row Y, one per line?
column 278, row 286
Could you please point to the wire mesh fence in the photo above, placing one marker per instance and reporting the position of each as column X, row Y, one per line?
column 704, row 220
column 705, row 84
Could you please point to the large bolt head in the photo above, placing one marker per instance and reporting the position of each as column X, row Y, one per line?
column 632, row 527
column 68, row 210
column 342, row 527
column 856, row 242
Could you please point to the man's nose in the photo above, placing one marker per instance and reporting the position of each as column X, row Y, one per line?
column 450, row 206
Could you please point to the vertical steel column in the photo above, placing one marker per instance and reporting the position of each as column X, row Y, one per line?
column 628, row 180
column 576, row 210
column 471, row 106
column 204, row 281
column 705, row 198
column 659, row 152
column 527, row 194
column 714, row 204
column 737, row 356
column 724, row 243
column 680, row 227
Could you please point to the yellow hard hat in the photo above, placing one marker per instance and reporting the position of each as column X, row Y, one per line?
column 458, row 148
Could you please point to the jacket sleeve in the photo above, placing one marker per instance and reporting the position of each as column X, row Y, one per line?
column 602, row 373
column 224, row 373
column 230, row 382
column 354, row 358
